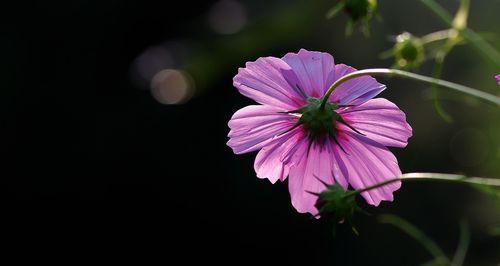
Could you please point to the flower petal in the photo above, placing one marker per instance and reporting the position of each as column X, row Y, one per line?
column 269, row 80
column 355, row 91
column 269, row 162
column 315, row 71
column 317, row 164
column 254, row 126
column 365, row 163
column 381, row 121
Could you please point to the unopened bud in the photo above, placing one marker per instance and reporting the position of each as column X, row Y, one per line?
column 360, row 9
column 337, row 204
column 408, row 51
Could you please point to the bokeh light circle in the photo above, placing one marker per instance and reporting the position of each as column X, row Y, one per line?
column 172, row 86
column 227, row 17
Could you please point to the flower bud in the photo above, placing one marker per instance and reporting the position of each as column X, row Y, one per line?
column 408, row 51
column 360, row 9
column 337, row 204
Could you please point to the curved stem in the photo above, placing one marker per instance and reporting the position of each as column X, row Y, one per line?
column 463, row 244
column 436, row 36
column 431, row 246
column 436, row 177
column 405, row 74
column 483, row 47
column 438, row 69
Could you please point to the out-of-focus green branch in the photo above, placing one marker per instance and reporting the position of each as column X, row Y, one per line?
column 483, row 47
column 463, row 245
column 440, row 257
column 405, row 74
column 436, row 36
column 454, row 37
column 418, row 235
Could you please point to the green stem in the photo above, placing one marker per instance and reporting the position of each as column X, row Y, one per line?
column 483, row 47
column 488, row 51
column 335, row 10
column 435, row 177
column 436, row 36
column 405, row 74
column 438, row 69
column 463, row 244
column 427, row 243
column 439, row 11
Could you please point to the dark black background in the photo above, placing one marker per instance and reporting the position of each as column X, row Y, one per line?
column 157, row 181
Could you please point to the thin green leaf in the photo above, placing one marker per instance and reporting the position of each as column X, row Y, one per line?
column 463, row 245
column 438, row 10
column 416, row 234
column 460, row 20
column 435, row 93
column 335, row 10
column 488, row 52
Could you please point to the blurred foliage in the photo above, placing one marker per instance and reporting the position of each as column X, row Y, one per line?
column 439, row 257
column 408, row 51
column 360, row 13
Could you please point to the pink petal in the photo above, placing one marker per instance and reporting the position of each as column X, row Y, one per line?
column 270, row 80
column 365, row 163
column 381, row 121
column 269, row 162
column 315, row 71
column 355, row 91
column 318, row 163
column 254, row 126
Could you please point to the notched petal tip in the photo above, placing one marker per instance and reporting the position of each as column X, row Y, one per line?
column 315, row 70
column 387, row 196
column 270, row 179
column 234, row 147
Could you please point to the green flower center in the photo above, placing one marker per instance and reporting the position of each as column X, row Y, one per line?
column 319, row 122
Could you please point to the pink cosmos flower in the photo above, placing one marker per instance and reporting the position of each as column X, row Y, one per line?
column 344, row 142
column 497, row 77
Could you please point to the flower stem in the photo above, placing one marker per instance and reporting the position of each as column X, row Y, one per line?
column 439, row 11
column 483, row 47
column 431, row 246
column 436, row 36
column 405, row 74
column 435, row 177
column 463, row 244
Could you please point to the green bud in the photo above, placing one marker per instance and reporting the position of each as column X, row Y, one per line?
column 408, row 51
column 360, row 9
column 337, row 204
